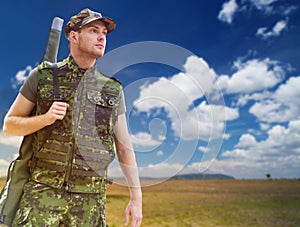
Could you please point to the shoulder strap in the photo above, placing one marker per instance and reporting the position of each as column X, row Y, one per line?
column 55, row 83
column 56, row 96
column 49, row 128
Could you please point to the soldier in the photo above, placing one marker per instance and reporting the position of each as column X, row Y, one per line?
column 79, row 119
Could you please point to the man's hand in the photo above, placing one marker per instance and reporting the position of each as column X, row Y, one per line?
column 18, row 121
column 134, row 209
column 57, row 111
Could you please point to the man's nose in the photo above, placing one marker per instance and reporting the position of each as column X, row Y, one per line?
column 101, row 36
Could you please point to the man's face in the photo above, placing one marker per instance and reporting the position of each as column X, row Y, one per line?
column 92, row 39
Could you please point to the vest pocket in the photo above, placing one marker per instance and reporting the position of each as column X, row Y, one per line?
column 100, row 110
column 22, row 215
column 105, row 98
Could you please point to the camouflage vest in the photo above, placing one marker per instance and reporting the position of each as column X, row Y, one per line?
column 81, row 146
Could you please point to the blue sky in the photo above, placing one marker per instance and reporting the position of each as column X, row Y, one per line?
column 210, row 85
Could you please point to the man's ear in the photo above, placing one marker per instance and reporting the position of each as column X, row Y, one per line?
column 73, row 36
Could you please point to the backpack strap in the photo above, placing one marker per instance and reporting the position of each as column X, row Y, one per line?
column 56, row 93
column 56, row 97
column 49, row 129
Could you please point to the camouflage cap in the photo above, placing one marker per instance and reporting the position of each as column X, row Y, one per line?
column 87, row 16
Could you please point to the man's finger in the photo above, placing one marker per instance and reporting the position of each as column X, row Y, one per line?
column 62, row 104
column 127, row 217
column 136, row 222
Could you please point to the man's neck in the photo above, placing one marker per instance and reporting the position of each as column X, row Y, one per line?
column 83, row 62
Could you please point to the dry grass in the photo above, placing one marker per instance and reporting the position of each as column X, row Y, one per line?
column 221, row 203
column 208, row 203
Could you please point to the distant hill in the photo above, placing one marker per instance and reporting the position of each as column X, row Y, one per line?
column 201, row 176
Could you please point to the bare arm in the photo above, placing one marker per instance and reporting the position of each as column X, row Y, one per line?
column 128, row 164
column 17, row 121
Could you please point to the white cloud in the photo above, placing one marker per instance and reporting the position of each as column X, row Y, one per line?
column 264, row 5
column 209, row 124
column 161, row 170
column 280, row 106
column 204, row 149
column 21, row 76
column 288, row 10
column 228, row 11
column 276, row 30
column 273, row 111
column 9, row 148
column 205, row 121
column 13, row 141
column 159, row 153
column 252, row 75
column 270, row 7
column 3, row 167
column 3, row 162
column 245, row 98
column 230, row 8
column 278, row 154
column 264, row 126
column 289, row 92
column 144, row 141
column 246, row 140
column 238, row 165
column 244, row 168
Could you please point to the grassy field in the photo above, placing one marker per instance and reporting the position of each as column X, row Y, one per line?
column 230, row 203
column 221, row 203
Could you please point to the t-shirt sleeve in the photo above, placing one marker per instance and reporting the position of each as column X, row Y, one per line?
column 122, row 107
column 29, row 88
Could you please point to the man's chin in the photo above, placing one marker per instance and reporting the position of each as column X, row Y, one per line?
column 99, row 55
